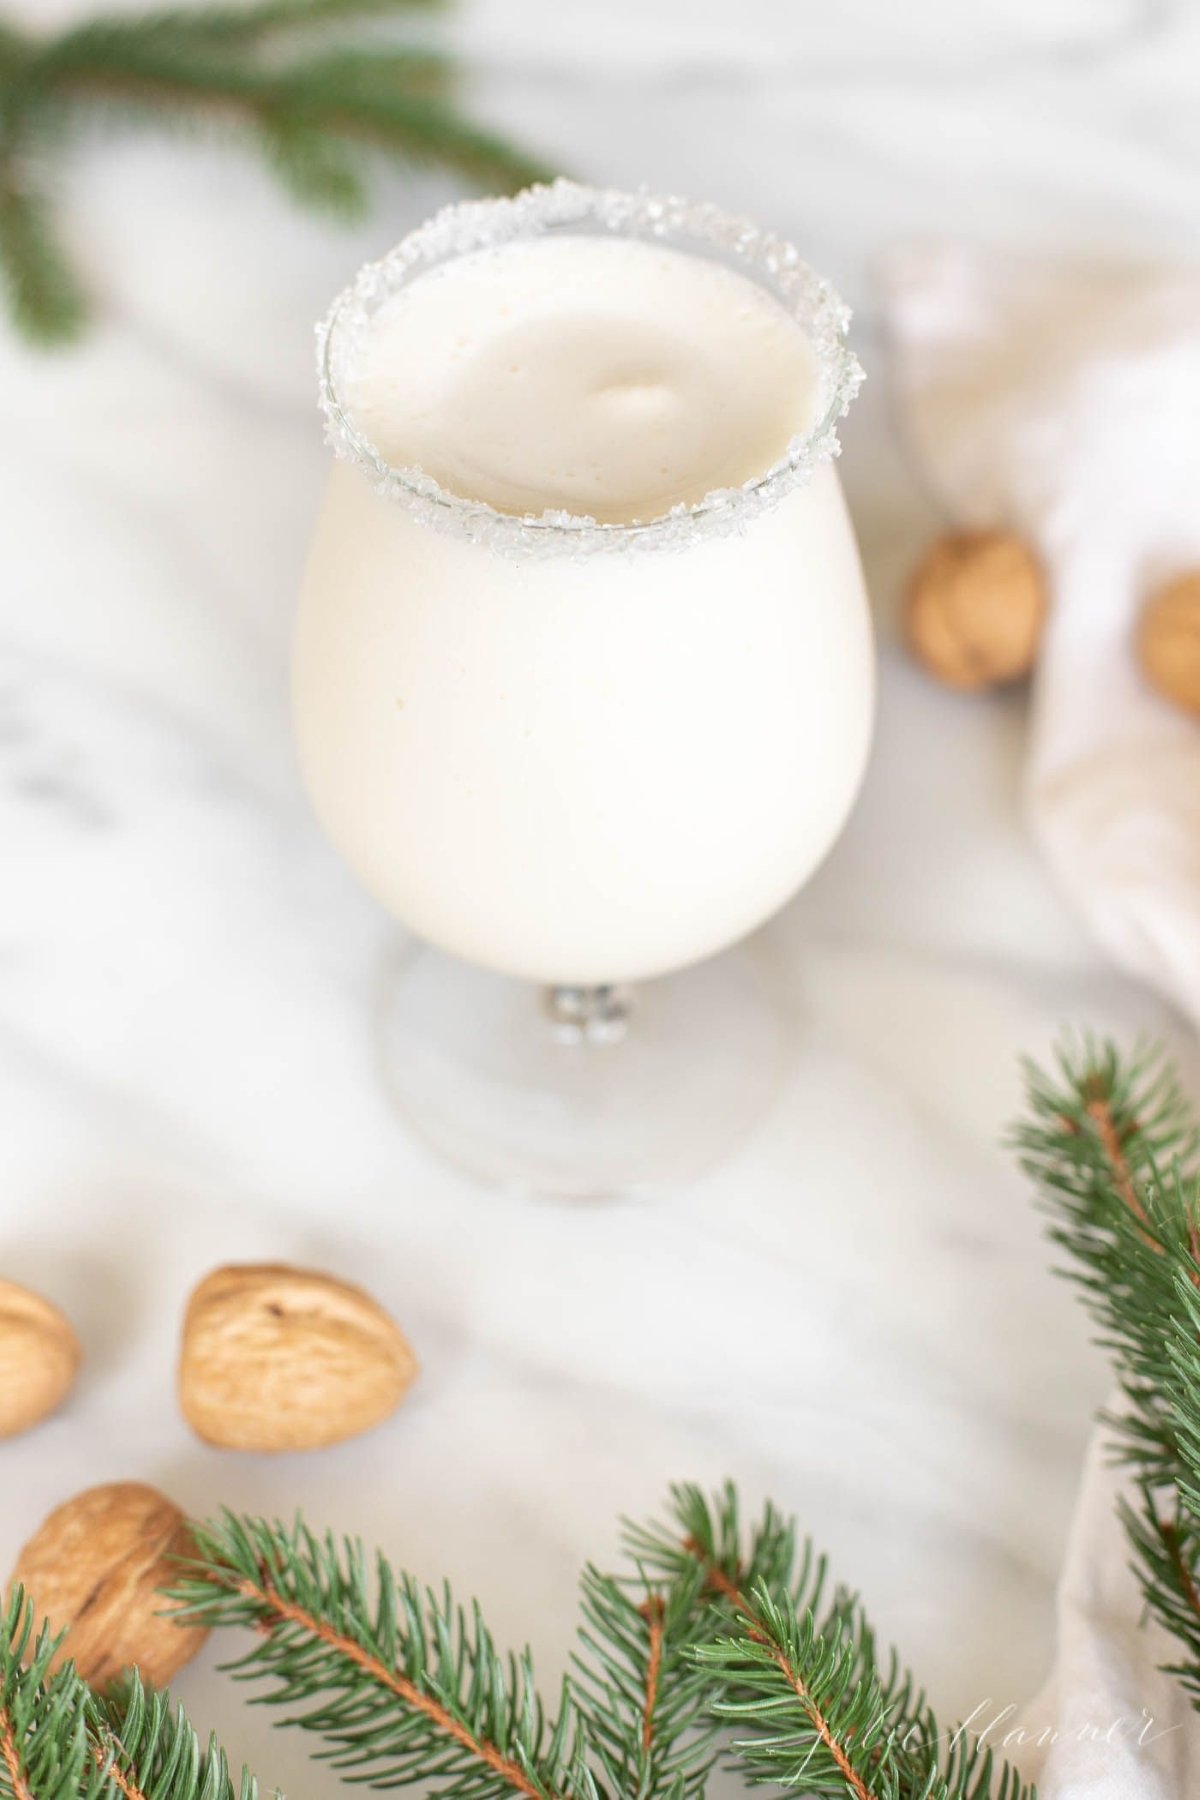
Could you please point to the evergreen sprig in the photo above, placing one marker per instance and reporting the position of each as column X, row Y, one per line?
column 645, row 1700
column 713, row 1634
column 61, row 1741
column 709, row 1534
column 44, row 1740
column 147, row 1749
column 1114, row 1148
column 44, row 297
column 400, row 1684
column 315, row 112
column 799, row 1674
column 693, row 1641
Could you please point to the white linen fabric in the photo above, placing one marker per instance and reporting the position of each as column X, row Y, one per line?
column 1066, row 404
column 1109, row 1724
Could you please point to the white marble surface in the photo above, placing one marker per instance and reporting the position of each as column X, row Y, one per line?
column 856, row 1316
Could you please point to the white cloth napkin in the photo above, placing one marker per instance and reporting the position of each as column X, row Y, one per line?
column 1109, row 1725
column 1067, row 405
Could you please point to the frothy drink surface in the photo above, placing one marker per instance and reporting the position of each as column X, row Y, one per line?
column 608, row 377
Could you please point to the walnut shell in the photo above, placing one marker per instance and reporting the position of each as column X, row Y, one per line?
column 1169, row 640
column 276, row 1358
column 976, row 607
column 96, row 1566
column 39, row 1354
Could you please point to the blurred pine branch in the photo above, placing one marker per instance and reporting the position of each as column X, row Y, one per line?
column 1114, row 1148
column 279, row 75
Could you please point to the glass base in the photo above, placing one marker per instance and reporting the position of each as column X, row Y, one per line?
column 582, row 1093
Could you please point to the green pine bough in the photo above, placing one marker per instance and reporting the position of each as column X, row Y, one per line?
column 718, row 1642
column 1115, row 1152
column 715, row 1643
column 279, row 76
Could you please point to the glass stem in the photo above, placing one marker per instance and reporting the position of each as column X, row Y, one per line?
column 588, row 1015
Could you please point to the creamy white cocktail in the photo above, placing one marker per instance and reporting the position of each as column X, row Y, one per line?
column 592, row 766
column 583, row 674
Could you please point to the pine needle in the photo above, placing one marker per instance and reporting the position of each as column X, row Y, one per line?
column 44, row 1744
column 401, row 1685
column 60, row 1741
column 1113, row 1148
column 811, row 1702
column 643, row 1699
column 147, row 1749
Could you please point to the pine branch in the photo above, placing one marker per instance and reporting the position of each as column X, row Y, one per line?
column 318, row 115
column 642, row 1698
column 1099, row 1137
column 396, row 1682
column 401, row 1693
column 60, row 1741
column 822, row 1721
column 402, row 1690
column 1113, row 1149
column 1167, row 1551
column 708, row 1534
column 44, row 1744
column 44, row 298
column 236, row 27
column 214, row 48
column 350, row 101
column 146, row 1749
column 316, row 170
column 799, row 1667
column 804, row 1715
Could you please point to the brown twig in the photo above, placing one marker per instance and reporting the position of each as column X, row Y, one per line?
column 652, row 1612
column 108, row 1766
column 850, row 1775
column 1100, row 1113
column 1187, row 1579
column 724, row 1585
column 11, row 1758
column 716, row 1577
column 286, row 1612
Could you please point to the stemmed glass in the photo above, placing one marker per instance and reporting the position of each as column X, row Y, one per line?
column 572, row 757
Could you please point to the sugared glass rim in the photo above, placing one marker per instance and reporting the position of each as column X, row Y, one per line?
column 479, row 224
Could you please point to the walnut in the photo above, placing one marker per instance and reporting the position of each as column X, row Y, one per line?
column 276, row 1358
column 976, row 607
column 1169, row 640
column 96, row 1567
column 39, row 1354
